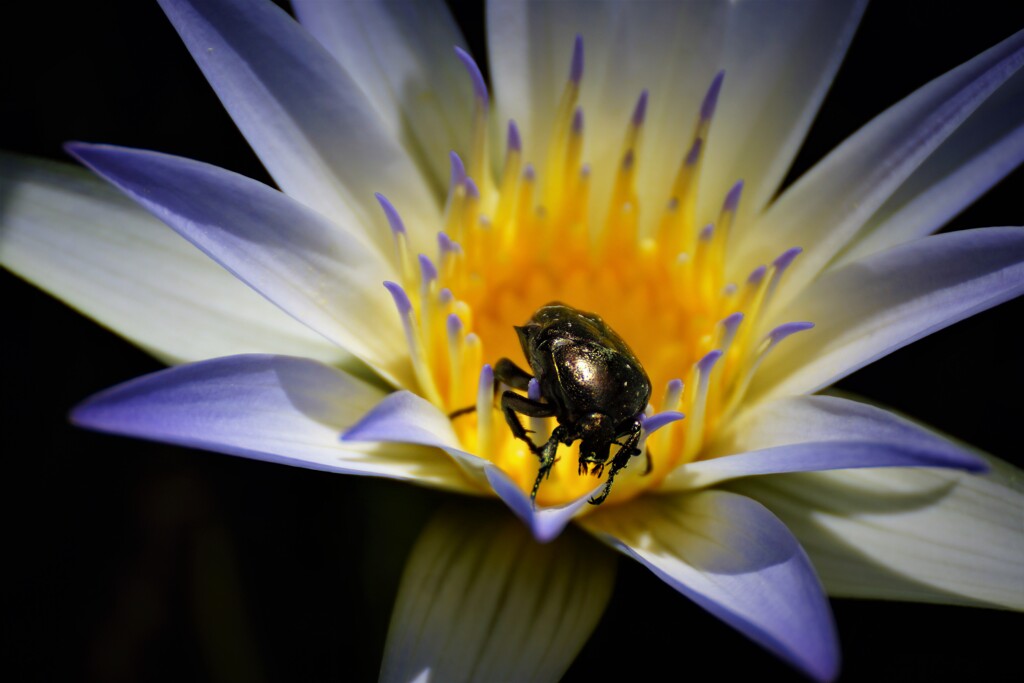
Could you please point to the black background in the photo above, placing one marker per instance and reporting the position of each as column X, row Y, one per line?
column 129, row 561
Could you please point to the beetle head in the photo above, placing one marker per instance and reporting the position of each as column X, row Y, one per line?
column 597, row 433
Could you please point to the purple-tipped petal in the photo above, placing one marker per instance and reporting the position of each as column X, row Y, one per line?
column 400, row 55
column 316, row 271
column 315, row 131
column 544, row 523
column 735, row 559
column 84, row 242
column 394, row 219
column 477, row 78
column 273, row 408
column 878, row 304
column 811, row 433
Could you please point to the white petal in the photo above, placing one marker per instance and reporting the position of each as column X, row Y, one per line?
column 674, row 50
column 732, row 557
column 401, row 54
column 779, row 59
column 824, row 210
column 306, row 119
column 274, row 408
column 480, row 600
column 907, row 534
column 324, row 276
column 84, row 242
column 808, row 433
column 978, row 155
column 874, row 306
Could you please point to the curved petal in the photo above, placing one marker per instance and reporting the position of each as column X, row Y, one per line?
column 916, row 534
column 401, row 55
column 84, row 242
column 481, row 601
column 987, row 147
column 732, row 557
column 878, row 304
column 275, row 408
column 824, row 210
column 309, row 123
column 404, row 417
column 315, row 271
column 808, row 433
column 779, row 60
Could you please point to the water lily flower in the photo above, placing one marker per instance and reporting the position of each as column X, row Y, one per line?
column 627, row 163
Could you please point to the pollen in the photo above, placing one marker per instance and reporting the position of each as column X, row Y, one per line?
column 529, row 235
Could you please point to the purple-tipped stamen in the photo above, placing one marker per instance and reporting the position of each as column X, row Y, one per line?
column 705, row 364
column 428, row 271
column 576, row 68
column 730, row 324
column 402, row 302
column 471, row 189
column 786, row 258
column 458, row 169
column 756, row 275
column 445, row 296
column 454, row 326
column 477, row 78
column 640, row 110
column 447, row 246
column 515, row 143
column 674, row 386
column 706, row 233
column 533, row 389
column 627, row 161
column 585, row 171
column 785, row 330
column 694, row 154
column 577, row 121
column 732, row 199
column 707, row 107
column 658, row 420
column 394, row 220
column 529, row 174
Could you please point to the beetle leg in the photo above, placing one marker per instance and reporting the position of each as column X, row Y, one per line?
column 511, row 374
column 507, row 372
column 512, row 403
column 621, row 459
column 547, row 459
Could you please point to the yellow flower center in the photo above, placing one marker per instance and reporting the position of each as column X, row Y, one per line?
column 512, row 246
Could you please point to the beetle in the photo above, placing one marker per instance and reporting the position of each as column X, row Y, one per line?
column 590, row 381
